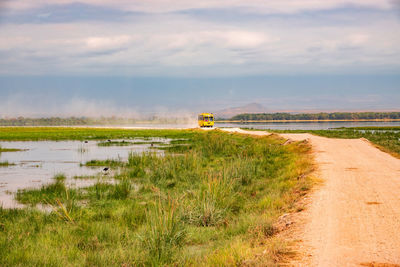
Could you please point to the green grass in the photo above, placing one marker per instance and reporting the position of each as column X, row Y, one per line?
column 84, row 177
column 115, row 143
column 46, row 193
column 384, row 128
column 103, row 163
column 127, row 143
column 213, row 203
column 385, row 138
column 10, row 149
column 6, row 164
column 164, row 234
column 81, row 133
column 148, row 143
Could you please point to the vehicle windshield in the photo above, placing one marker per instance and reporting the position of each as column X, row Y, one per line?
column 206, row 118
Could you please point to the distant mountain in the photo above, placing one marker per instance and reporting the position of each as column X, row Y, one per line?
column 230, row 112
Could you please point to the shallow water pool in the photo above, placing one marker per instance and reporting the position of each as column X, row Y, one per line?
column 40, row 161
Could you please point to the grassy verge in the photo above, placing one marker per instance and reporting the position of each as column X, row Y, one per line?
column 213, row 203
column 385, row 138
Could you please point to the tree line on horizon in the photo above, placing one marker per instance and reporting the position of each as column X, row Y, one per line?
column 87, row 121
column 318, row 116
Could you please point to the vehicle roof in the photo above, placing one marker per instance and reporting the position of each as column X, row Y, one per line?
column 206, row 114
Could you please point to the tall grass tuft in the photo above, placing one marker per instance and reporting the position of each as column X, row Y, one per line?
column 60, row 178
column 122, row 189
column 165, row 233
column 137, row 163
column 62, row 211
column 213, row 203
column 106, row 191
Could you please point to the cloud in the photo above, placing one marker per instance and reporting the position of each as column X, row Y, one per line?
column 396, row 6
column 229, row 39
column 243, row 39
column 358, row 39
column 178, row 43
column 107, row 43
column 63, row 13
column 159, row 6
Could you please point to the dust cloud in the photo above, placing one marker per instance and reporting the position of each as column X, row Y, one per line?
column 18, row 106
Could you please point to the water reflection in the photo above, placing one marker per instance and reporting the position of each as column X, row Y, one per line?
column 308, row 125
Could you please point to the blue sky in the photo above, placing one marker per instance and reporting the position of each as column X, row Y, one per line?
column 161, row 56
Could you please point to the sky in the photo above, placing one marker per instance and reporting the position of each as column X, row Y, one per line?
column 113, row 57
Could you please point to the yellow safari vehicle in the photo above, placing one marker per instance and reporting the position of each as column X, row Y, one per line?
column 206, row 120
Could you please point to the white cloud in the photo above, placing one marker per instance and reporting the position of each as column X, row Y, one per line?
column 358, row 39
column 229, row 39
column 245, row 39
column 106, row 43
column 176, row 44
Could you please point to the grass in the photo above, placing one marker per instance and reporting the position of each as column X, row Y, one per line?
column 127, row 143
column 384, row 128
column 46, row 194
column 115, row 143
column 213, row 203
column 10, row 149
column 103, row 163
column 148, row 143
column 82, row 133
column 84, row 177
column 164, row 234
column 6, row 164
column 385, row 138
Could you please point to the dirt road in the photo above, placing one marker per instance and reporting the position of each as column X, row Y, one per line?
column 353, row 218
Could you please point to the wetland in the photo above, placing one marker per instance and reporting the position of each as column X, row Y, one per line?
column 206, row 198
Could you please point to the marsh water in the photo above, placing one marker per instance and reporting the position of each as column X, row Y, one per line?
column 38, row 162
